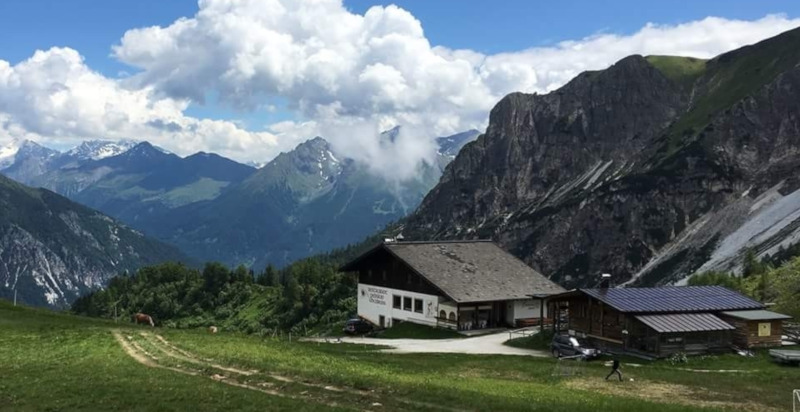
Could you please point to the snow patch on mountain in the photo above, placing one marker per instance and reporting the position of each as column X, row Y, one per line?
column 100, row 149
column 8, row 153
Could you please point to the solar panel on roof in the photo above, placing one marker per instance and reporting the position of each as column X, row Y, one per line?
column 673, row 299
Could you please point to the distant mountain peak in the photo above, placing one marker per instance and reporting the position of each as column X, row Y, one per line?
column 451, row 145
column 9, row 152
column 101, row 149
column 144, row 149
column 255, row 164
column 23, row 147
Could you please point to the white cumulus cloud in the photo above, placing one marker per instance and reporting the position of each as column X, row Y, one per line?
column 342, row 70
column 346, row 76
column 54, row 98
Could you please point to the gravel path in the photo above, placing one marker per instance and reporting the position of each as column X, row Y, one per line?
column 480, row 345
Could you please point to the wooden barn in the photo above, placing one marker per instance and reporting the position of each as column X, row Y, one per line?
column 658, row 322
column 460, row 285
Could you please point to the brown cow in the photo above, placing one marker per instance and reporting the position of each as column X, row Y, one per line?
column 142, row 318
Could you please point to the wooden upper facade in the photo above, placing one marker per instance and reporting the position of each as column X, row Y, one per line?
column 381, row 268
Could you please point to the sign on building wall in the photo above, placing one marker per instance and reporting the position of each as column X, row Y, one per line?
column 375, row 295
column 764, row 329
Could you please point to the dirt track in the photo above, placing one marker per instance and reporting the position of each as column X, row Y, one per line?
column 153, row 350
column 491, row 344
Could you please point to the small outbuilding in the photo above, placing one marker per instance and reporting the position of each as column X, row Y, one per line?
column 756, row 328
column 460, row 285
column 661, row 321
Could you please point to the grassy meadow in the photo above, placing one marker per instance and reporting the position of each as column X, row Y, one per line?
column 53, row 361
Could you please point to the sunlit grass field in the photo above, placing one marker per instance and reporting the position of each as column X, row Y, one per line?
column 51, row 361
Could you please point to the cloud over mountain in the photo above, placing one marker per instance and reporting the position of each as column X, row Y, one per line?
column 346, row 76
column 55, row 98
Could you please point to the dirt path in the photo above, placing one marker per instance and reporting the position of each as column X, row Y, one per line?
column 480, row 345
column 141, row 355
column 155, row 351
column 662, row 392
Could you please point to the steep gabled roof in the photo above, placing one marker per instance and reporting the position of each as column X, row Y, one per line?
column 672, row 299
column 469, row 271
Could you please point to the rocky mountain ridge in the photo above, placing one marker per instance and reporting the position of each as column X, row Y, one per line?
column 650, row 170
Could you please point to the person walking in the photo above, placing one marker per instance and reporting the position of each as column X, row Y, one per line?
column 615, row 369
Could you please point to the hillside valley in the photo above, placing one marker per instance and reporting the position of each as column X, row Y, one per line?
column 52, row 250
column 305, row 201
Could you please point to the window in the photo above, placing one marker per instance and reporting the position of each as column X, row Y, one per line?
column 418, row 305
column 407, row 303
column 764, row 329
column 453, row 316
column 396, row 301
column 442, row 314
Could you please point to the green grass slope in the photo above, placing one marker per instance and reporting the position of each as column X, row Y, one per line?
column 681, row 70
column 56, row 362
column 53, row 361
column 729, row 78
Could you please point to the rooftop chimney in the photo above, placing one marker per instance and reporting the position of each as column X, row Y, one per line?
column 605, row 281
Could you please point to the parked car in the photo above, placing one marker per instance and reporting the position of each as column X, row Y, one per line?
column 357, row 326
column 563, row 345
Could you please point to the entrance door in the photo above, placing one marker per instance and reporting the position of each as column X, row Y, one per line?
column 382, row 321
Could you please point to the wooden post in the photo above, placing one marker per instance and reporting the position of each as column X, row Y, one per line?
column 458, row 316
column 541, row 314
column 602, row 316
column 627, row 334
column 557, row 317
column 15, row 296
column 591, row 315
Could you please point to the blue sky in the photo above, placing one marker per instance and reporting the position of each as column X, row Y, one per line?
column 92, row 27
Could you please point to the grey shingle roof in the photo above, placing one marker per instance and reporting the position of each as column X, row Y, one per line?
column 673, row 299
column 473, row 271
column 756, row 315
column 684, row 322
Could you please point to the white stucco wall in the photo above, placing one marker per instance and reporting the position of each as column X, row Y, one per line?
column 528, row 308
column 374, row 301
column 523, row 309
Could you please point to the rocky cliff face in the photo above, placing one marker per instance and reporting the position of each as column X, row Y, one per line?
column 649, row 170
column 52, row 249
